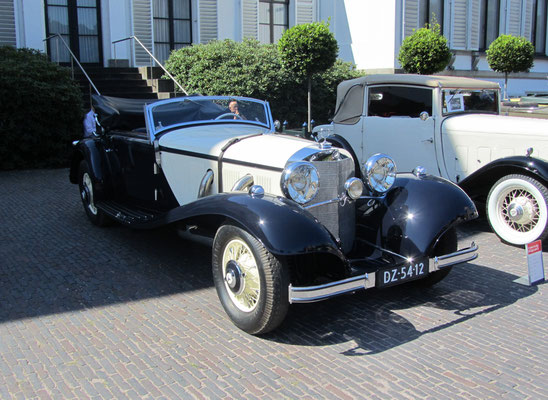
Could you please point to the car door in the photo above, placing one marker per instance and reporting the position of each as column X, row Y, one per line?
column 399, row 122
column 135, row 155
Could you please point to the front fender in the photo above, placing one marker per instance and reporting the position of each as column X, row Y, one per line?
column 414, row 214
column 282, row 226
column 478, row 183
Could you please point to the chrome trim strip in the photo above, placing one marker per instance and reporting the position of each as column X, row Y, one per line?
column 310, row 294
column 461, row 256
column 244, row 183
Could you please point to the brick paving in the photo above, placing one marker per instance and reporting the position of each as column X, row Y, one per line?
column 103, row 313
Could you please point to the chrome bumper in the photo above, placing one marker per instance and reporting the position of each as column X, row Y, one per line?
column 310, row 294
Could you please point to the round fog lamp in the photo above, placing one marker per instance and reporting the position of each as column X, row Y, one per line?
column 379, row 172
column 354, row 188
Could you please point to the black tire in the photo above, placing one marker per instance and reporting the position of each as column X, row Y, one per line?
column 87, row 195
column 241, row 268
column 448, row 243
column 517, row 209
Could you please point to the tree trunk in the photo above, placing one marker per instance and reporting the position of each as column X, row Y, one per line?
column 309, row 103
column 505, row 96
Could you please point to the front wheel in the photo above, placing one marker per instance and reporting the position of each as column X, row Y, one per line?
column 517, row 209
column 251, row 282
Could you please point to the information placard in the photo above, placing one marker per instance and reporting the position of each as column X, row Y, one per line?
column 534, row 262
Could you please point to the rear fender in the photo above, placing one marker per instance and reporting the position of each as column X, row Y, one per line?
column 414, row 214
column 88, row 150
column 479, row 183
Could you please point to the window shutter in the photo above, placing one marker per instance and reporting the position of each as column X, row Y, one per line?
column 459, row 14
column 208, row 20
column 527, row 19
column 513, row 17
column 474, row 25
column 410, row 17
column 250, row 19
column 142, row 29
column 304, row 11
column 7, row 23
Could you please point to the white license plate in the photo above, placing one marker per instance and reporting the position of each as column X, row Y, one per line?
column 404, row 273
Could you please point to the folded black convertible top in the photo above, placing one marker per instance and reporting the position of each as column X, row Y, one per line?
column 120, row 113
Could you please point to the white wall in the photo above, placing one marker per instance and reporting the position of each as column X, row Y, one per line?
column 230, row 19
column 30, row 24
column 365, row 29
column 117, row 24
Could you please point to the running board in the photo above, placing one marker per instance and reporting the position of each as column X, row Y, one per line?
column 131, row 216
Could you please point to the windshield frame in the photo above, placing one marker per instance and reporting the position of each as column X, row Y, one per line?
column 155, row 132
column 459, row 91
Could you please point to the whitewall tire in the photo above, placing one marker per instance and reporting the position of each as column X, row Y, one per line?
column 517, row 209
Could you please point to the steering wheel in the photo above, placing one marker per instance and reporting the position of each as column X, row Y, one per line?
column 228, row 115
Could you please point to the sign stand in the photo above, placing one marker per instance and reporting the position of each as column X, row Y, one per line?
column 535, row 265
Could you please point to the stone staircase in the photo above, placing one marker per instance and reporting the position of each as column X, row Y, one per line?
column 135, row 83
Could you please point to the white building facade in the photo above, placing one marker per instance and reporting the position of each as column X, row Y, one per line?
column 369, row 32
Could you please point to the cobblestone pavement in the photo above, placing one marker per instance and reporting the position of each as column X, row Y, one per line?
column 102, row 313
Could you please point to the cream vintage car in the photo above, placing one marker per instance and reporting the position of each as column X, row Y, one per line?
column 452, row 127
column 289, row 220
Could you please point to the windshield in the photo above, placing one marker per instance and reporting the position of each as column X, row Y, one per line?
column 202, row 110
column 467, row 100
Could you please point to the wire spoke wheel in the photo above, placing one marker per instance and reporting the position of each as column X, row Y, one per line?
column 517, row 209
column 252, row 284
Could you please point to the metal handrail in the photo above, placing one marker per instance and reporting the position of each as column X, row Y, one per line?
column 151, row 56
column 71, row 60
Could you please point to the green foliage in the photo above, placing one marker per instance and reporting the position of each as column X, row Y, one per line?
column 308, row 49
column 255, row 70
column 41, row 110
column 509, row 53
column 425, row 51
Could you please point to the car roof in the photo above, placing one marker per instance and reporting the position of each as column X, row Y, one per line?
column 423, row 80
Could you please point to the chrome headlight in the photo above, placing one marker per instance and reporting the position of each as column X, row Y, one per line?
column 379, row 172
column 300, row 182
column 354, row 188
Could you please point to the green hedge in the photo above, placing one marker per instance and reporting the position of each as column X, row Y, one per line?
column 252, row 69
column 41, row 110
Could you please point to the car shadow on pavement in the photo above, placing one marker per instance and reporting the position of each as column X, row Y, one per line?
column 378, row 320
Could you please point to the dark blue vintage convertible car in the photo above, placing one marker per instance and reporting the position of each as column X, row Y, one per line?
column 290, row 220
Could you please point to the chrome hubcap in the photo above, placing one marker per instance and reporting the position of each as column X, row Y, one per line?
column 520, row 210
column 241, row 275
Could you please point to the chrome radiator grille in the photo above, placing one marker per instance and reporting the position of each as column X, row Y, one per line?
column 338, row 219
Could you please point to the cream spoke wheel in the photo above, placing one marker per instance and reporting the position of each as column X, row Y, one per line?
column 251, row 282
column 241, row 275
column 87, row 193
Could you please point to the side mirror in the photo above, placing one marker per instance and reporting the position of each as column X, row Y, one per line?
column 277, row 126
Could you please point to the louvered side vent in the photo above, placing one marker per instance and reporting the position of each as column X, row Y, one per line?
column 304, row 11
column 142, row 29
column 7, row 23
column 208, row 21
column 458, row 31
column 410, row 17
column 250, row 19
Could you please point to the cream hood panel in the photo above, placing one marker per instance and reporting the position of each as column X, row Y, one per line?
column 499, row 132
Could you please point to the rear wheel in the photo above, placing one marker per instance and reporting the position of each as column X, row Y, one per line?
column 87, row 194
column 251, row 282
column 517, row 209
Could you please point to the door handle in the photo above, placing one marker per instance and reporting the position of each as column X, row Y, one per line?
column 431, row 140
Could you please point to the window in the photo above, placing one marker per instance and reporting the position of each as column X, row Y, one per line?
column 273, row 20
column 540, row 28
column 172, row 26
column 399, row 101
